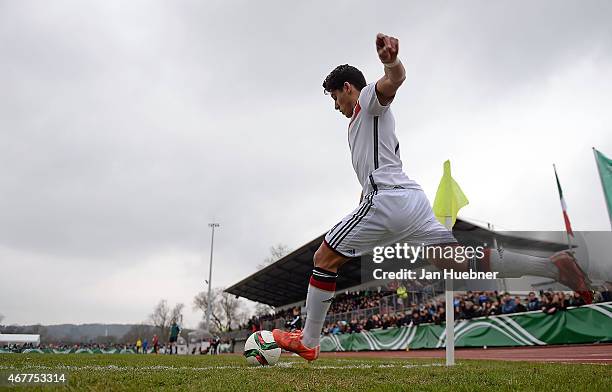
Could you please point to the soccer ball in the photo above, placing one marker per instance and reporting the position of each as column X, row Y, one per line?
column 261, row 349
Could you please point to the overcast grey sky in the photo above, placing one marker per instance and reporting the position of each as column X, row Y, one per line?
column 127, row 126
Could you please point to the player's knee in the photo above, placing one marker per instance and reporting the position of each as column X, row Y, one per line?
column 327, row 264
column 318, row 258
column 327, row 260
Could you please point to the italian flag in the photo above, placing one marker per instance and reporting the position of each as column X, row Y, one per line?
column 568, row 226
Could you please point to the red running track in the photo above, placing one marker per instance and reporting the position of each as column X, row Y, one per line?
column 592, row 353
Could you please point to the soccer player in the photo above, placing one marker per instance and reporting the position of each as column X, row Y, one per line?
column 393, row 207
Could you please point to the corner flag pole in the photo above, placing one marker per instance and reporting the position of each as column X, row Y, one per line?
column 449, row 200
column 450, row 310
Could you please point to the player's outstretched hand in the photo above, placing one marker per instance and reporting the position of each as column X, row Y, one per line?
column 387, row 48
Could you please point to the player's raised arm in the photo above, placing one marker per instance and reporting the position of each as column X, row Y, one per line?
column 386, row 87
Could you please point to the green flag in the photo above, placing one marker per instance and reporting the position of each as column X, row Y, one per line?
column 604, row 166
column 449, row 198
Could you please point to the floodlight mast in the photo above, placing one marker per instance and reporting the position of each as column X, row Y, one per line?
column 209, row 300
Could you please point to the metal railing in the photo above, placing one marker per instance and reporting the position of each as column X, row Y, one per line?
column 389, row 304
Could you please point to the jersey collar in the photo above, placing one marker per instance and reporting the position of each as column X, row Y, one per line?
column 356, row 111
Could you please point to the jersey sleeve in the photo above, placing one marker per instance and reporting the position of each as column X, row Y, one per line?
column 368, row 100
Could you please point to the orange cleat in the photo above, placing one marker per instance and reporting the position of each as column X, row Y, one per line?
column 292, row 341
column 571, row 275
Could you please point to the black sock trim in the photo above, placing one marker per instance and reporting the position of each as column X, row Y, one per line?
column 323, row 275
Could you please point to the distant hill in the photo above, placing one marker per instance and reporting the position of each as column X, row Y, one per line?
column 84, row 332
column 89, row 333
column 72, row 332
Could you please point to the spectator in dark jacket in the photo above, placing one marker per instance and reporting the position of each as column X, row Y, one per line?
column 470, row 311
column 508, row 304
column 577, row 300
column 519, row 305
column 416, row 318
column 296, row 321
column 552, row 303
column 533, row 303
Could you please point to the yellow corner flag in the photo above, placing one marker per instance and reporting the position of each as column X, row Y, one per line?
column 449, row 198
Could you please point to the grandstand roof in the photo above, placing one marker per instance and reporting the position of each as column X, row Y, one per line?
column 285, row 281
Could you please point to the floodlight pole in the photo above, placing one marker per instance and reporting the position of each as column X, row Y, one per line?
column 450, row 311
column 209, row 304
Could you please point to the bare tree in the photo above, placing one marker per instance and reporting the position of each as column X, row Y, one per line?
column 232, row 307
column 200, row 301
column 139, row 331
column 277, row 252
column 243, row 318
column 177, row 313
column 161, row 318
column 263, row 309
column 1, row 317
column 225, row 310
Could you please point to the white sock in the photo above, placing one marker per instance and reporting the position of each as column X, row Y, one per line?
column 515, row 265
column 320, row 295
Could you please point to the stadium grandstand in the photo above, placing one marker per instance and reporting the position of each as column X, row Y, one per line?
column 362, row 303
column 282, row 284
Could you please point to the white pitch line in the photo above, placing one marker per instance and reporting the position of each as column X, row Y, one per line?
column 114, row 368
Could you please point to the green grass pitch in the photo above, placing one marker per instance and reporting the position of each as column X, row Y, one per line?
column 231, row 373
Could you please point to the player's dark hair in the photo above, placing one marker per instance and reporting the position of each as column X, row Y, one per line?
column 344, row 73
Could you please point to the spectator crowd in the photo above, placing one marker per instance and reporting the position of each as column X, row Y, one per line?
column 388, row 310
column 17, row 348
column 467, row 306
column 291, row 318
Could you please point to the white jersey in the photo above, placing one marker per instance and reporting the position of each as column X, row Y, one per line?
column 374, row 147
column 394, row 208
